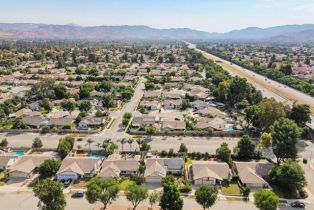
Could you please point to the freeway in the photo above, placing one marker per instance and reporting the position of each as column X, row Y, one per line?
column 269, row 88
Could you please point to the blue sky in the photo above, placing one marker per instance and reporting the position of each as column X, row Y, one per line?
column 207, row 15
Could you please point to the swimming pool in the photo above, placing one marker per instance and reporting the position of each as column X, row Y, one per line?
column 19, row 153
column 98, row 155
column 230, row 128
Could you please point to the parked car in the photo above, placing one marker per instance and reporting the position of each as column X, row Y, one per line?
column 79, row 139
column 283, row 202
column 67, row 183
column 297, row 204
column 305, row 160
column 78, row 194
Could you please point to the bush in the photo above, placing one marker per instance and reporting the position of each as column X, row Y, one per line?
column 137, row 179
column 186, row 188
column 45, row 129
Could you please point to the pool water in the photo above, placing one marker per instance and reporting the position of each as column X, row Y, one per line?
column 230, row 128
column 98, row 155
column 19, row 153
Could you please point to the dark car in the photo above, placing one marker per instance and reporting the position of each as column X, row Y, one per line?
column 67, row 183
column 78, row 194
column 297, row 204
column 305, row 160
column 79, row 139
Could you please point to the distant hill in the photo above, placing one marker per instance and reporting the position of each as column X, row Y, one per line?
column 126, row 32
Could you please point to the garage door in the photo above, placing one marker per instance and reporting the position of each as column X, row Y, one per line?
column 153, row 179
column 65, row 176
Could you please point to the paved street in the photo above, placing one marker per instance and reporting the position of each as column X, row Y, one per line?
column 269, row 88
column 26, row 201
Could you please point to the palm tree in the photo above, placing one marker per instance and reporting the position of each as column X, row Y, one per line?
column 122, row 141
column 139, row 142
column 98, row 145
column 130, row 142
column 106, row 143
column 89, row 142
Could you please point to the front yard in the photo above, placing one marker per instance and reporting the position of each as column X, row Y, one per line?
column 231, row 189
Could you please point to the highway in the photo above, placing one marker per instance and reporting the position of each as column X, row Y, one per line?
column 269, row 88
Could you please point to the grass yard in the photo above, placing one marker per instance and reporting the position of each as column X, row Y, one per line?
column 125, row 183
column 81, row 184
column 231, row 189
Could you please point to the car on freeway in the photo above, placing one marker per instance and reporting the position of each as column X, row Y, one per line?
column 297, row 204
column 78, row 194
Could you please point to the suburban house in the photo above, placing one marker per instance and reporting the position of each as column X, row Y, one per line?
column 26, row 165
column 172, row 95
column 158, row 168
column 172, row 104
column 78, row 167
column 216, row 124
column 211, row 112
column 144, row 120
column 173, row 125
column 91, row 122
column 150, row 105
column 151, row 95
column 252, row 173
column 7, row 160
column 209, row 172
column 117, row 165
column 35, row 122
column 198, row 105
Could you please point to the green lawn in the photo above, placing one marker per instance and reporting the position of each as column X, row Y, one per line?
column 125, row 183
column 231, row 189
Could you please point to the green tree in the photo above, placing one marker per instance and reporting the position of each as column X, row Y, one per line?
column 269, row 111
column 224, row 153
column 266, row 200
column 4, row 143
column 301, row 114
column 222, row 90
column 149, row 85
column 65, row 146
column 60, row 91
column 89, row 142
column 206, row 196
column 153, row 198
column 122, row 142
column 285, row 134
column 107, row 101
column 106, row 86
column 245, row 149
column 251, row 115
column 266, row 140
column 85, row 90
column 45, row 103
column 183, row 148
column 136, row 194
column 185, row 104
column 289, row 176
column 238, row 90
column 102, row 190
column 48, row 168
column 50, row 195
column 170, row 198
column 18, row 123
column 85, row 106
column 68, row 105
column 37, row 143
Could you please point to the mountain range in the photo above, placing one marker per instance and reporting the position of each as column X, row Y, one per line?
column 32, row 31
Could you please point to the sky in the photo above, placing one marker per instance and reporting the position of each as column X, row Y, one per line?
column 206, row 15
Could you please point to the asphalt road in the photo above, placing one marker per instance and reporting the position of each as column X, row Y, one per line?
column 26, row 201
column 269, row 88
